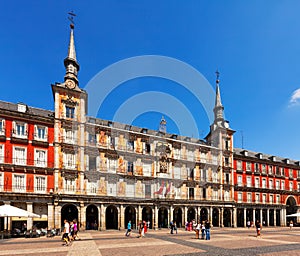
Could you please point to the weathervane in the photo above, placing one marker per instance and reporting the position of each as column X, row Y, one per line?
column 218, row 74
column 71, row 18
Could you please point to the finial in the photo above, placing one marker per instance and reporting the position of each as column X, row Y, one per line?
column 71, row 19
column 217, row 79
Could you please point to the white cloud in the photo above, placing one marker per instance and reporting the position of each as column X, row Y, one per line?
column 295, row 99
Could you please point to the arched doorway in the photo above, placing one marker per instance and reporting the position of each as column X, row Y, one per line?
column 162, row 217
column 191, row 215
column 177, row 216
column 111, row 217
column 277, row 217
column 215, row 216
column 227, row 218
column 68, row 212
column 264, row 217
column 291, row 208
column 240, row 217
column 271, row 217
column 130, row 215
column 92, row 217
column 203, row 214
column 147, row 215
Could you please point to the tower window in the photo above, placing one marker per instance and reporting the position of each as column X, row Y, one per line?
column 70, row 111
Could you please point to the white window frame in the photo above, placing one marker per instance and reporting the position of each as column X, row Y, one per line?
column 271, row 184
column 271, row 199
column 40, row 162
column 2, row 153
column 264, row 198
column 291, row 186
column 1, row 181
column 2, row 127
column 69, row 161
column 257, row 198
column 277, row 184
column 249, row 197
column 282, row 185
column 15, row 133
column 249, row 183
column 70, row 136
column 256, row 182
column 37, row 133
column 240, row 197
column 240, row 180
column 70, row 186
column 277, row 199
column 40, row 184
column 19, row 182
column 16, row 159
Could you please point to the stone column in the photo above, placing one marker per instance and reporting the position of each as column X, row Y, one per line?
column 199, row 212
column 221, row 217
column 254, row 216
column 210, row 214
column 171, row 214
column 102, row 217
column 185, row 214
column 155, row 226
column 139, row 213
column 50, row 214
column 122, row 224
column 29, row 220
column 234, row 211
column 99, row 217
column 283, row 223
column 57, row 215
column 245, row 217
column 268, row 217
column 82, row 222
column 7, row 220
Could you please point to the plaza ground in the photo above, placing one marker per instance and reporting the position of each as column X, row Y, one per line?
column 224, row 241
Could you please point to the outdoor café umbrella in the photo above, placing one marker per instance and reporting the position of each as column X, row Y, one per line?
column 12, row 211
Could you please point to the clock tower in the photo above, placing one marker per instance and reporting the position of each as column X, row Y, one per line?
column 69, row 128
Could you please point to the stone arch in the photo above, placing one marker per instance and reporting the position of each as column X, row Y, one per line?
column 163, row 217
column 215, row 217
column 191, row 214
column 203, row 214
column 177, row 217
column 291, row 208
column 92, row 217
column 130, row 215
column 227, row 217
column 147, row 215
column 111, row 217
column 69, row 212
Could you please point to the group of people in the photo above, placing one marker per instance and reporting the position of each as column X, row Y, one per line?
column 70, row 232
column 173, row 227
column 202, row 228
column 142, row 227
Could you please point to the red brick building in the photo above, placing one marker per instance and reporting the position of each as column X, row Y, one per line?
column 26, row 159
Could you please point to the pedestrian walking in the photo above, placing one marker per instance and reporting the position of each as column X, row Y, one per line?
column 203, row 230
column 65, row 236
column 128, row 229
column 197, row 229
column 207, row 230
column 258, row 228
column 291, row 224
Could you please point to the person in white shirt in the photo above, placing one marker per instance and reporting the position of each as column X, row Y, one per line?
column 66, row 233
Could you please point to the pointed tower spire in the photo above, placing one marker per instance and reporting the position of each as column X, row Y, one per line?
column 163, row 125
column 70, row 62
column 218, row 109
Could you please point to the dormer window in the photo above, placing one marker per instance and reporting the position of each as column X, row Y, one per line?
column 70, row 112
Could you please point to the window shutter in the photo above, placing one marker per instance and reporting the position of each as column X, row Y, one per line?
column 35, row 132
column 14, row 127
column 46, row 133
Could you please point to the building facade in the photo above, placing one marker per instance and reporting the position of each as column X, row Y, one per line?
column 63, row 164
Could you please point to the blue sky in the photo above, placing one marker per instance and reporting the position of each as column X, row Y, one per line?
column 254, row 44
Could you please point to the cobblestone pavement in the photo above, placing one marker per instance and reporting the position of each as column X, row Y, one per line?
column 224, row 241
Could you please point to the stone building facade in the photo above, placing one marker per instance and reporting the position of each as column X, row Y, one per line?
column 104, row 173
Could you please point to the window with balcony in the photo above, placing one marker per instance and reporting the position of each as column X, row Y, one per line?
column 1, row 181
column 270, row 169
column 92, row 138
column 264, row 198
column 70, row 136
column 281, row 171
column 264, row 183
column 249, row 197
column 249, row 183
column 277, row 184
column 2, row 127
column 70, row 112
column 277, row 199
column 239, row 165
column 240, row 197
column 215, row 195
column 282, row 185
column 291, row 173
column 257, row 167
column 248, row 166
column 70, row 186
column 19, row 156
column 19, row 130
column 40, row 184
column 271, row 199
column 264, row 168
column 226, row 195
column 92, row 187
column 69, row 161
column 214, row 176
column 19, row 183
column 270, row 184
column 191, row 193
column 40, row 132
column 257, row 182
column 1, row 153
column 130, row 168
column 257, row 200
column 291, row 186
column 130, row 145
column 40, row 158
